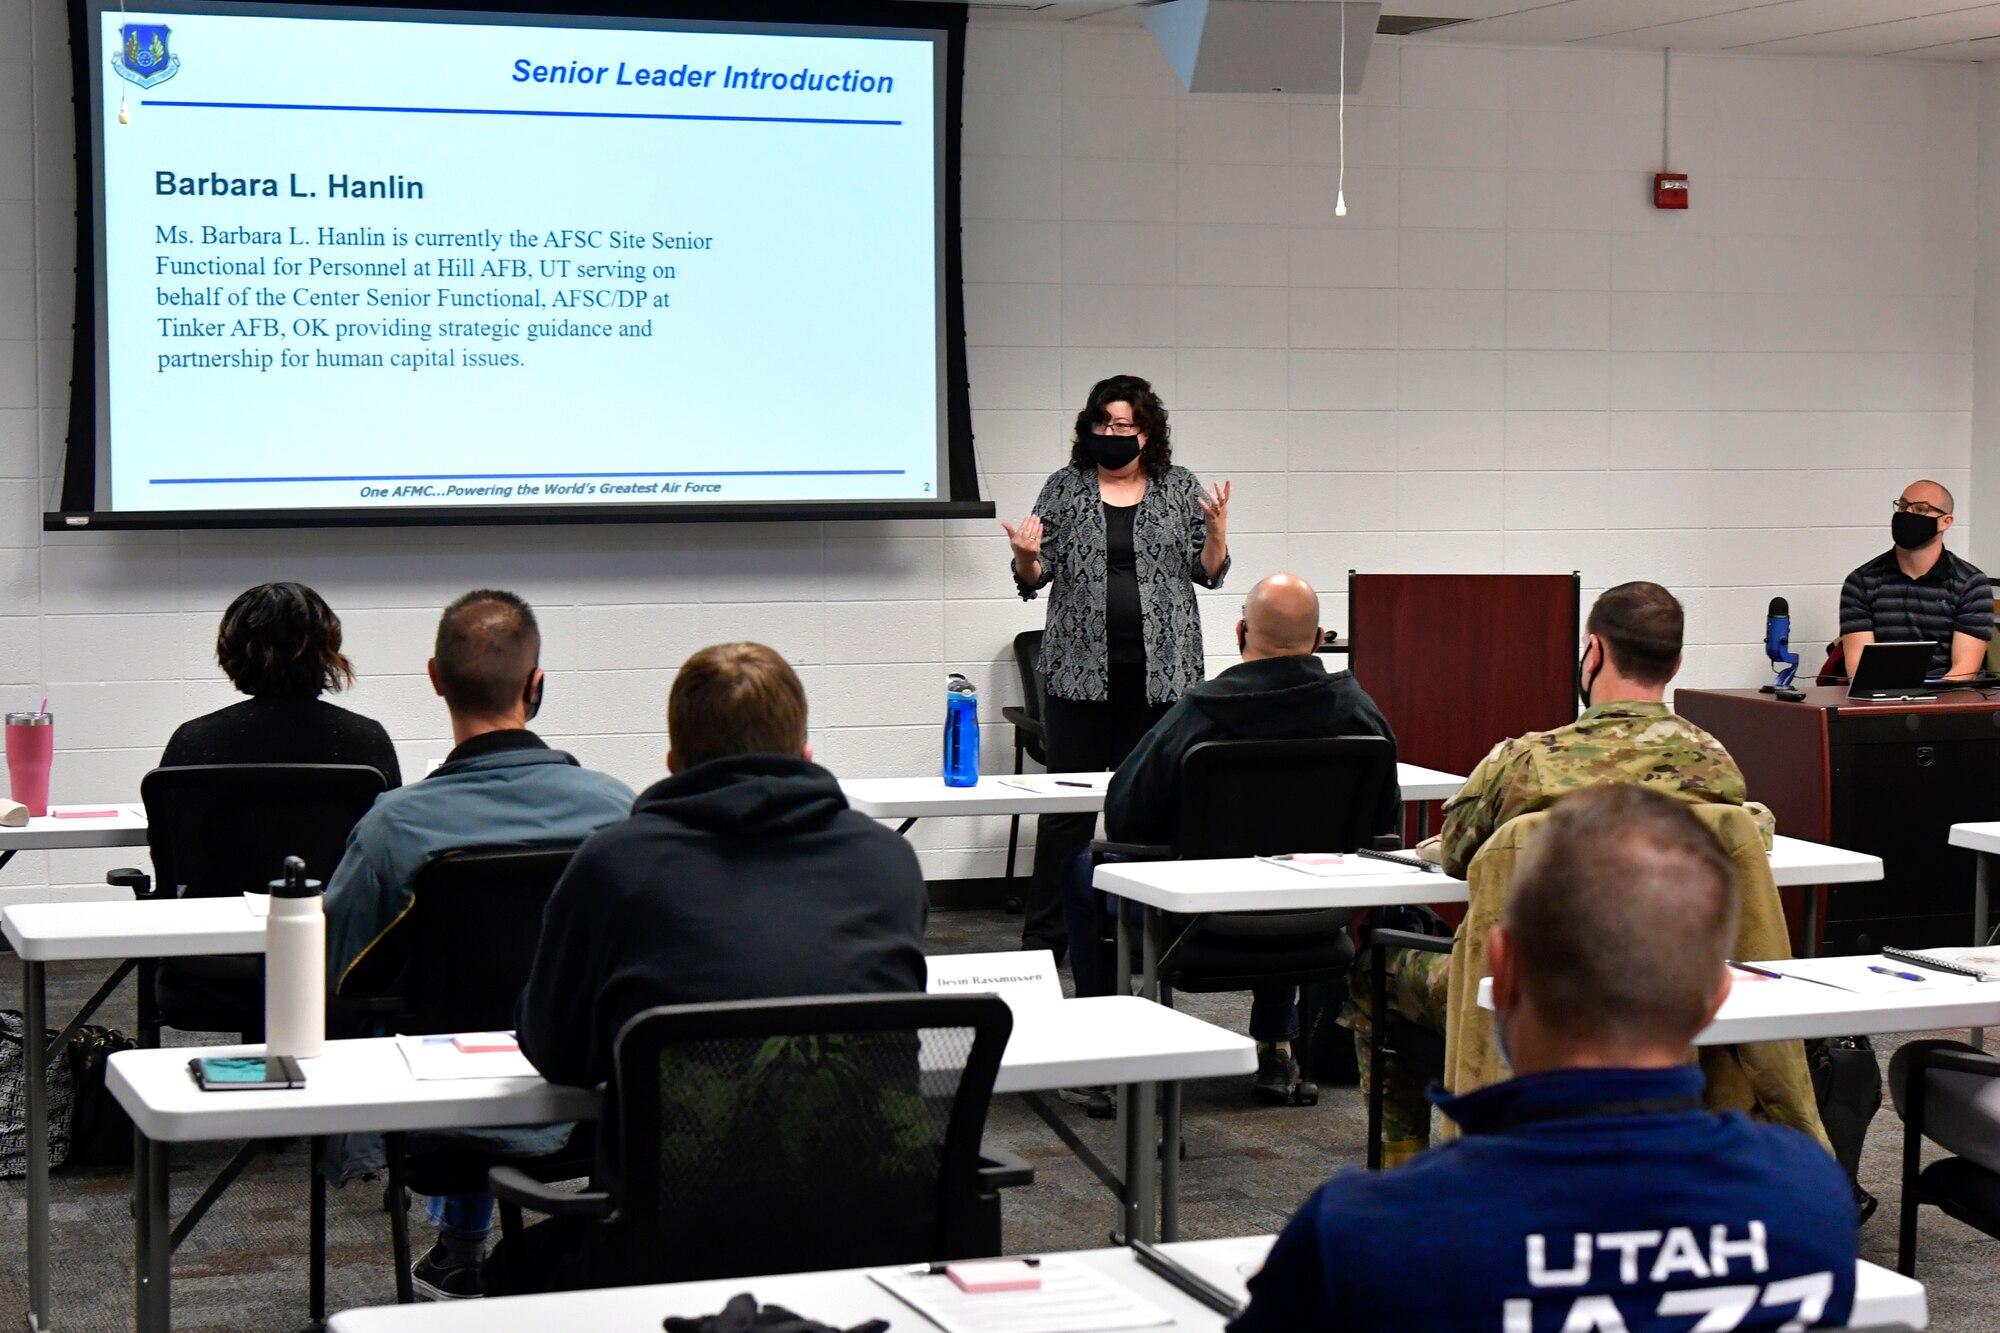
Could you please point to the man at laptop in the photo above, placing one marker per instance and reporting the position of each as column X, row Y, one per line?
column 1917, row 591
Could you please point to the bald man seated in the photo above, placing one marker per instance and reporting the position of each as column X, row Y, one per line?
column 1279, row 691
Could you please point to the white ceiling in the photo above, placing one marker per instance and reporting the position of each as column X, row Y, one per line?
column 1920, row 29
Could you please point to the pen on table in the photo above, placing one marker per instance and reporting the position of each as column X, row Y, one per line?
column 1892, row 972
column 1754, row 970
column 1061, row 783
column 937, row 1267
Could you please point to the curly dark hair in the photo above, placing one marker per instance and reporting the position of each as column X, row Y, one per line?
column 282, row 640
column 1149, row 414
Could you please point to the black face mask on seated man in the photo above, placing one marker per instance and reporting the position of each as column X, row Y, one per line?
column 1913, row 531
column 1111, row 452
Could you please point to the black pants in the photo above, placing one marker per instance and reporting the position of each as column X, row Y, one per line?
column 1082, row 738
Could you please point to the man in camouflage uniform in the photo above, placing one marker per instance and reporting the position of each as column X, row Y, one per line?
column 1626, row 733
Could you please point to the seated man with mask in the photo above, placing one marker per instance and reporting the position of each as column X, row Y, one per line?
column 1917, row 591
column 1625, row 734
column 1591, row 1190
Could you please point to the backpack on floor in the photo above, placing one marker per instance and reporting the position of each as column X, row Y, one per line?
column 100, row 1132
column 1847, row 1086
column 14, row 1098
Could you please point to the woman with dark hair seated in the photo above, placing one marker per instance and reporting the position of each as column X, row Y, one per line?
column 279, row 643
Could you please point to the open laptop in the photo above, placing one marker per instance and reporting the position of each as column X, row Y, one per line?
column 1893, row 671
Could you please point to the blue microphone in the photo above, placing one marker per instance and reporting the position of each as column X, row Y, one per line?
column 1777, row 642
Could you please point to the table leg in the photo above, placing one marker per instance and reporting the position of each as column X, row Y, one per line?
column 1423, row 820
column 1149, row 955
column 1981, row 904
column 156, row 1247
column 906, row 825
column 1124, row 948
column 1143, row 1179
column 35, row 1074
column 1810, row 904
column 1170, row 1161
column 1125, row 1120
column 316, row 1243
column 1133, row 1148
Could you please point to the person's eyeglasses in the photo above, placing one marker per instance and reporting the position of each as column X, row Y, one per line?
column 1115, row 428
column 1918, row 507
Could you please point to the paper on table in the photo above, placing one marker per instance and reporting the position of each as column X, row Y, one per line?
column 1043, row 784
column 437, row 1058
column 258, row 903
column 1072, row 1299
column 1852, row 974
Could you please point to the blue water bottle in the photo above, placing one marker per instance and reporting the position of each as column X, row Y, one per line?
column 961, row 732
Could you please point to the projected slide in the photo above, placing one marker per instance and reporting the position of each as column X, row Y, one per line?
column 348, row 261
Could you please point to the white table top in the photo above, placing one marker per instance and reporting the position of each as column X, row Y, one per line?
column 126, row 828
column 162, row 928
column 366, row 1085
column 1882, row 1299
column 1244, row 884
column 1792, row 1009
column 1979, row 837
column 917, row 798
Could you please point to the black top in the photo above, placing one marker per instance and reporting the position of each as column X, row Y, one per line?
column 741, row 879
column 1273, row 699
column 271, row 730
column 1124, row 631
column 1953, row 595
column 492, row 742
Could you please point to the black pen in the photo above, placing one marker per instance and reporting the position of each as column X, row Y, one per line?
column 1756, row 971
column 937, row 1267
column 1061, row 783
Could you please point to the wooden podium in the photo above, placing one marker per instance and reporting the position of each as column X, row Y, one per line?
column 1886, row 778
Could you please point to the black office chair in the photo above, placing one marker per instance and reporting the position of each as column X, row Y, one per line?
column 457, row 962
column 783, row 1136
column 1262, row 798
column 217, row 830
column 1030, row 727
column 1945, row 1091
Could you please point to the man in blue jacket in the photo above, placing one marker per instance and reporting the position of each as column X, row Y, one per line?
column 1590, row 1191
column 501, row 785
column 1279, row 691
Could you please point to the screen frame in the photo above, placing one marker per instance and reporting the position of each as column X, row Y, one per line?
column 958, row 486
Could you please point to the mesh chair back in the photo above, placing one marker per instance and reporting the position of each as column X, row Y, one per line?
column 777, row 1136
column 472, row 933
column 1262, row 798
column 222, row 829
column 1034, row 690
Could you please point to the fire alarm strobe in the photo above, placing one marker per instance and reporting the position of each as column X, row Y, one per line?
column 1670, row 189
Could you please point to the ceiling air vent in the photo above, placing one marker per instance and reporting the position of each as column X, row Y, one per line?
column 1402, row 25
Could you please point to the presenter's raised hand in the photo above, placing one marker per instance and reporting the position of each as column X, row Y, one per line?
column 1026, row 539
column 1215, row 512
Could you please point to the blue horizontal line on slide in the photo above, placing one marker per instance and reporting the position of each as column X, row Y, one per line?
column 508, row 111
column 529, row 476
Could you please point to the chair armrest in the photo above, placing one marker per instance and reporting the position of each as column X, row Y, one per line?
column 1024, row 720
column 1385, row 938
column 1953, row 1062
column 512, row 1186
column 1131, row 851
column 131, row 877
column 1003, row 1170
column 1386, row 842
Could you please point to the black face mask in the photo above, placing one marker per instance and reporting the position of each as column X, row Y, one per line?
column 1912, row 531
column 1111, row 452
column 1584, row 683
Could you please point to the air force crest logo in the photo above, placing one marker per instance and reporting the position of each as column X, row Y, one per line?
column 144, row 58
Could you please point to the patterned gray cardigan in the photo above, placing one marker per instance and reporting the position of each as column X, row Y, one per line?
column 1167, row 534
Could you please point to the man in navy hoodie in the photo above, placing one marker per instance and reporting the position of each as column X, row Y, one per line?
column 1590, row 1191
column 1279, row 691
column 743, row 876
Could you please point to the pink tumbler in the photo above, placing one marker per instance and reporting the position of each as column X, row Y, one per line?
column 31, row 748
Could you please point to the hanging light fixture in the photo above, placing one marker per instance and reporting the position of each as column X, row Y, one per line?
column 1340, row 177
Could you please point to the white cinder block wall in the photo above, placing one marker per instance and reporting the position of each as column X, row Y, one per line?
column 1502, row 359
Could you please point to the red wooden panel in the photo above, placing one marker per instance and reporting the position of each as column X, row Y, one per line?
column 1781, row 748
column 1460, row 662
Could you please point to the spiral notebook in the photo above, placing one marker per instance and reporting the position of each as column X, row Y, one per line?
column 1978, row 964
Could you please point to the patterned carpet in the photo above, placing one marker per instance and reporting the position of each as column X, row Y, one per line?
column 1247, row 1167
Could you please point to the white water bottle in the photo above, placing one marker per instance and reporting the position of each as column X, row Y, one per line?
column 295, row 965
